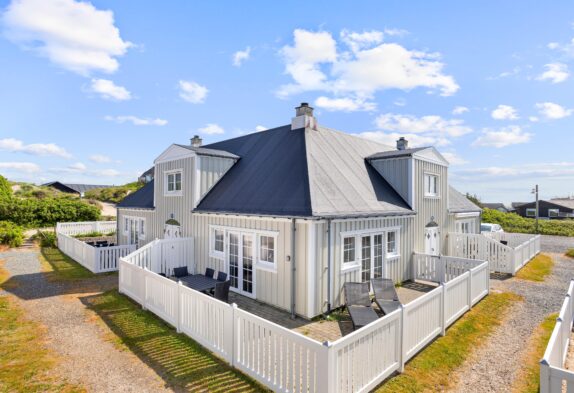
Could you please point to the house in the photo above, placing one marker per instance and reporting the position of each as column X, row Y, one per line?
column 548, row 209
column 70, row 188
column 147, row 176
column 294, row 212
column 496, row 206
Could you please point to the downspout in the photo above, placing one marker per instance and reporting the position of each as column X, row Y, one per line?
column 328, row 266
column 293, row 267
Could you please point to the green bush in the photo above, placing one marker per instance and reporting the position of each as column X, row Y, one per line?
column 46, row 212
column 512, row 222
column 113, row 194
column 11, row 234
column 5, row 189
column 570, row 253
column 47, row 239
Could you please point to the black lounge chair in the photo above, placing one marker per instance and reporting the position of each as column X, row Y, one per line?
column 358, row 303
column 222, row 291
column 180, row 271
column 221, row 276
column 386, row 295
column 209, row 272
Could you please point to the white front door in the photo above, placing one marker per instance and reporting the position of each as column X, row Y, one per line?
column 372, row 257
column 240, row 262
column 172, row 231
column 432, row 241
column 133, row 231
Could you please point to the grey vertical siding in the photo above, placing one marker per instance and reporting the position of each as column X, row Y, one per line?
column 211, row 170
column 397, row 172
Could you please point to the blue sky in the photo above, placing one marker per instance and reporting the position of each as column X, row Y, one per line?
column 94, row 91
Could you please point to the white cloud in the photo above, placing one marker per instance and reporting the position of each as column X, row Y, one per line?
column 192, row 92
column 533, row 119
column 390, row 138
column 38, row 149
column 100, row 159
column 395, row 32
column 78, row 167
column 344, row 104
column 555, row 73
column 567, row 48
column 106, row 173
column 261, row 128
column 430, row 124
column 505, row 136
column 240, row 56
column 315, row 64
column 212, row 129
column 453, row 158
column 137, row 121
column 26, row 167
column 109, row 90
column 504, row 112
column 552, row 169
column 74, row 35
column 459, row 110
column 551, row 110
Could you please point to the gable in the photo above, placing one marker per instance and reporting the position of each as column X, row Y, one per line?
column 174, row 152
column 431, row 154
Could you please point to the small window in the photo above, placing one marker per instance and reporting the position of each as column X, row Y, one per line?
column 142, row 228
column 349, row 250
column 217, row 243
column 126, row 225
column 553, row 212
column 173, row 182
column 392, row 248
column 530, row 212
column 431, row 185
column 267, row 249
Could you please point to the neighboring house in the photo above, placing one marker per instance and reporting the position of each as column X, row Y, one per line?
column 294, row 212
column 496, row 206
column 79, row 189
column 147, row 176
column 551, row 209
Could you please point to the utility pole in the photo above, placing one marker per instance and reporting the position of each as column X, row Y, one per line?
column 535, row 191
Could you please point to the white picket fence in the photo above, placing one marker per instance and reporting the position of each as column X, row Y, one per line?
column 80, row 228
column 554, row 378
column 287, row 361
column 503, row 258
column 95, row 259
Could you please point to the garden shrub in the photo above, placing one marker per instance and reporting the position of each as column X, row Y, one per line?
column 46, row 212
column 512, row 222
column 11, row 234
column 47, row 239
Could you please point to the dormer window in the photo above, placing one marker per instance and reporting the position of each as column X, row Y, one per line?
column 431, row 185
column 173, row 183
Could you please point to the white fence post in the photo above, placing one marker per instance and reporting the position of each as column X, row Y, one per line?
column 469, row 289
column 544, row 376
column 143, row 288
column 443, row 309
column 403, row 351
column 178, row 305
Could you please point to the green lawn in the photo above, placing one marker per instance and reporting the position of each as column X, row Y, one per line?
column 537, row 269
column 431, row 370
column 570, row 253
column 60, row 267
column 528, row 381
column 183, row 363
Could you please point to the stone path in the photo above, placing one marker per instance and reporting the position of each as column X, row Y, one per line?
column 87, row 358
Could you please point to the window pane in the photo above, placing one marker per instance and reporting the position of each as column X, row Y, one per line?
column 178, row 181
column 267, row 249
column 218, row 241
column 365, row 258
column 348, row 249
column 391, row 242
column 170, row 183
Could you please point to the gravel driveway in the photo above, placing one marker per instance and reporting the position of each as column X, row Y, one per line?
column 495, row 365
column 87, row 358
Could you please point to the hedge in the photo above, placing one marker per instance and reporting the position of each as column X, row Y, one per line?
column 11, row 234
column 512, row 222
column 46, row 212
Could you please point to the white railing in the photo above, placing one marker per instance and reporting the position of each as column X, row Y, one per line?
column 503, row 258
column 79, row 228
column 163, row 255
column 441, row 268
column 553, row 375
column 285, row 360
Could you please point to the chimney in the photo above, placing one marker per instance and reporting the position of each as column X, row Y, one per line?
column 196, row 141
column 402, row 143
column 303, row 117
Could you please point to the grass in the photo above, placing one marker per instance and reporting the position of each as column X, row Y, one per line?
column 182, row 362
column 537, row 269
column 431, row 370
column 528, row 380
column 570, row 253
column 25, row 363
column 60, row 267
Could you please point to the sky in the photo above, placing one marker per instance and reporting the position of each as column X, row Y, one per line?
column 93, row 92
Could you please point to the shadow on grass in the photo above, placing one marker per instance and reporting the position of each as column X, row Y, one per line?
column 180, row 361
column 59, row 266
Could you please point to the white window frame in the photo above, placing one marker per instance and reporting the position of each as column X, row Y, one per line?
column 531, row 209
column 167, row 174
column 212, row 251
column 356, row 264
column 126, row 225
column 556, row 211
column 471, row 223
column 140, row 226
column 426, row 184
column 264, row 264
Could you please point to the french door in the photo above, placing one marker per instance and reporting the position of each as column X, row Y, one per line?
column 240, row 262
column 133, row 231
column 372, row 257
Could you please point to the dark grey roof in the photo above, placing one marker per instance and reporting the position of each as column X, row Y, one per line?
column 302, row 173
column 458, row 203
column 150, row 171
column 203, row 151
column 494, row 205
column 79, row 188
column 140, row 199
column 516, row 204
column 566, row 202
column 395, row 153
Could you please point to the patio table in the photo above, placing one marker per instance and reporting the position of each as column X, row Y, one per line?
column 199, row 282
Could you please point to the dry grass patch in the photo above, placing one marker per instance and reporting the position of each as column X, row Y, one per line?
column 528, row 380
column 431, row 370
column 60, row 267
column 537, row 269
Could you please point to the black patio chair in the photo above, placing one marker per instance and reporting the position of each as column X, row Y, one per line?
column 386, row 295
column 222, row 291
column 209, row 272
column 180, row 271
column 221, row 276
column 358, row 304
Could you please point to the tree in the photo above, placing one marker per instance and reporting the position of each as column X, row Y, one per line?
column 474, row 199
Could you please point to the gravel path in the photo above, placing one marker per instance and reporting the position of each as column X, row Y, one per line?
column 494, row 366
column 87, row 358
